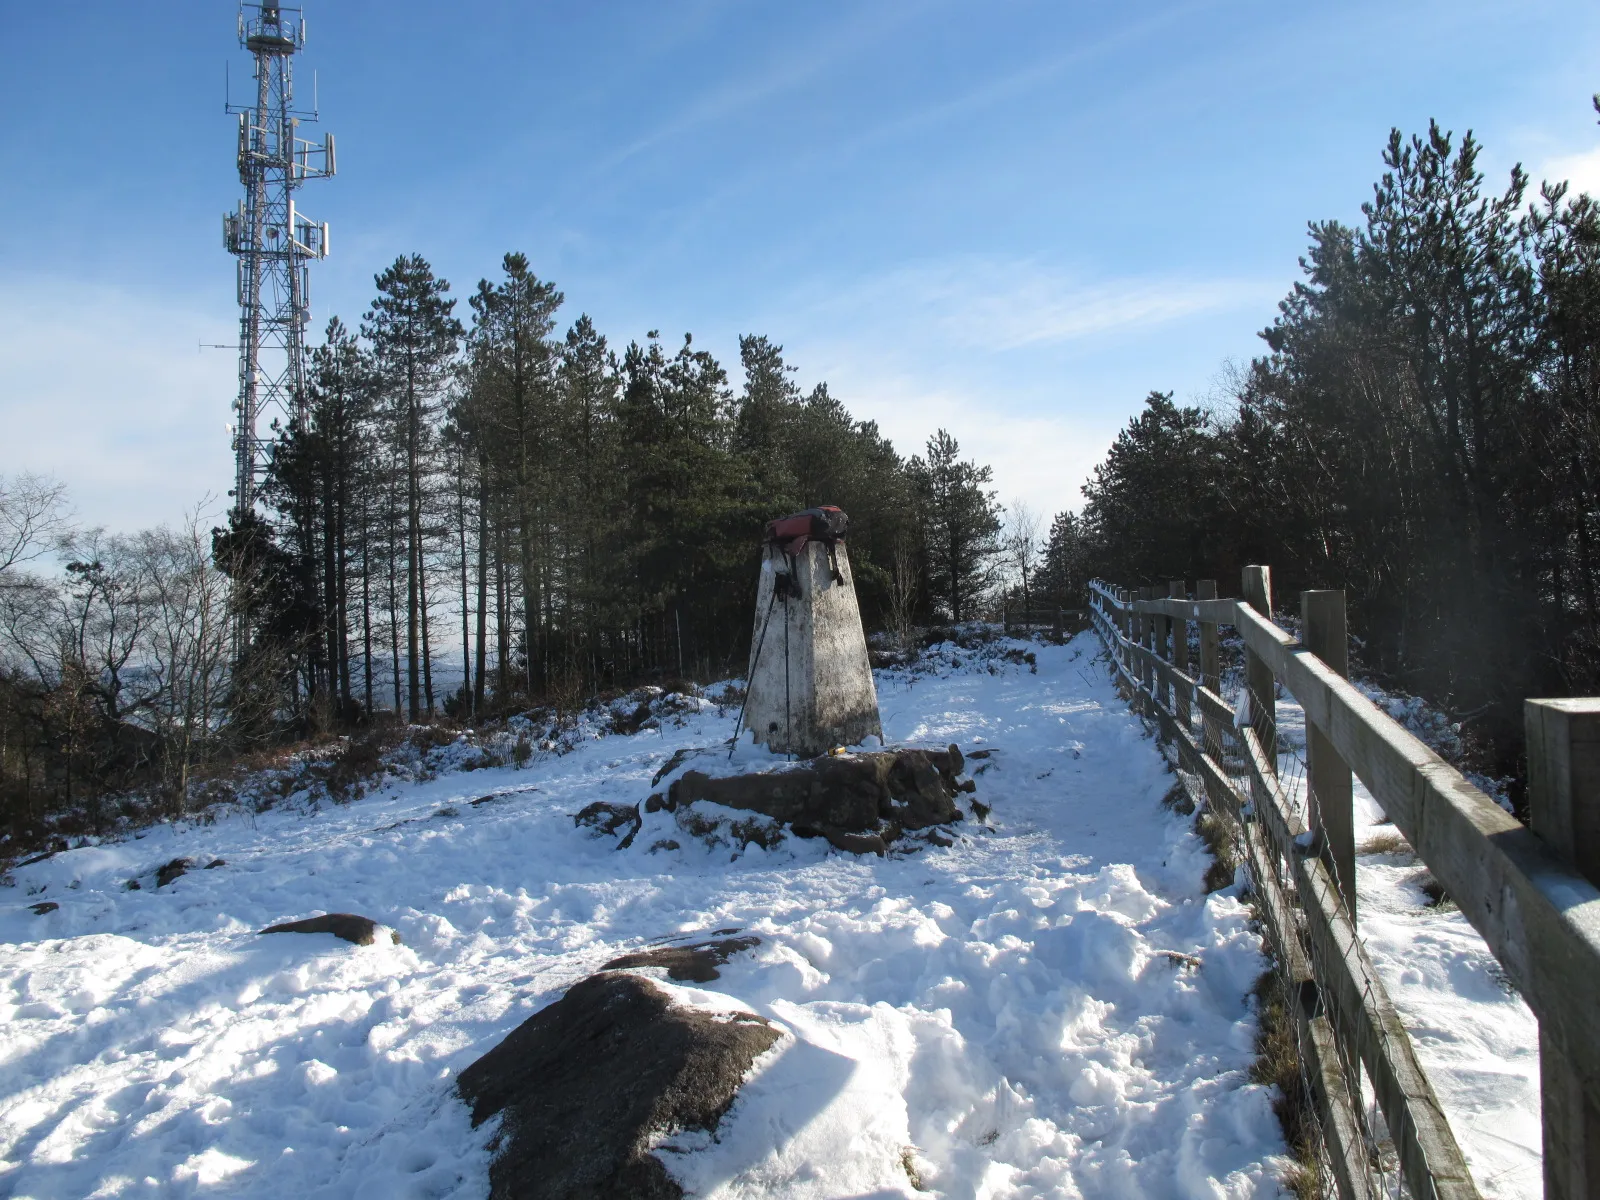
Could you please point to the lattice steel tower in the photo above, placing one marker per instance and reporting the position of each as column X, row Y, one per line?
column 272, row 240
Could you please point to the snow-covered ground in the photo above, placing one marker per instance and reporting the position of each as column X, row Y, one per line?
column 993, row 1019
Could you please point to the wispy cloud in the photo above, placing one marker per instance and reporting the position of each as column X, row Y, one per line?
column 1581, row 170
column 1014, row 83
column 960, row 343
column 1039, row 458
column 1001, row 304
column 109, row 392
column 793, row 68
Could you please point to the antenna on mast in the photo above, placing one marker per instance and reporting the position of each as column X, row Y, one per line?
column 272, row 240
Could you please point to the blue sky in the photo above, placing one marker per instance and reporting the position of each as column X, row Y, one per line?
column 1011, row 219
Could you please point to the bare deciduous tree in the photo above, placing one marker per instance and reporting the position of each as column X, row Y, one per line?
column 187, row 651
column 1022, row 549
column 33, row 518
column 902, row 589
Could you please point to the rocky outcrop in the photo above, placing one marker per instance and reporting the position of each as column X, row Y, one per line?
column 695, row 963
column 604, row 819
column 859, row 802
column 169, row 871
column 352, row 927
column 588, row 1083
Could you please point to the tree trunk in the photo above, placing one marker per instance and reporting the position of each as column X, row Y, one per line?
column 502, row 615
column 483, row 577
column 366, row 601
column 466, row 612
column 413, row 558
column 394, row 604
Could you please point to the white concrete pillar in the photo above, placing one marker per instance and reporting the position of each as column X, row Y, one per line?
column 810, row 681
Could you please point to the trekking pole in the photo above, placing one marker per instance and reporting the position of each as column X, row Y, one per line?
column 788, row 734
column 733, row 742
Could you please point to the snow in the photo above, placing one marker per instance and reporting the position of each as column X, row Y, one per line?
column 1010, row 1016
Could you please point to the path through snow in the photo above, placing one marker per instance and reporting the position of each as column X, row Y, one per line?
column 993, row 1019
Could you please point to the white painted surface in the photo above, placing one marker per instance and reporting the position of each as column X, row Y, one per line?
column 810, row 680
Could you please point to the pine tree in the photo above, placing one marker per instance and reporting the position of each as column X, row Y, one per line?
column 1147, row 501
column 587, row 386
column 765, row 414
column 339, row 404
column 414, row 340
column 513, row 378
column 1062, row 572
column 960, row 519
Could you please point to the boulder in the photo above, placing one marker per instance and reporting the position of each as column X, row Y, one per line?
column 604, row 819
column 587, row 1084
column 843, row 793
column 856, row 801
column 850, row 843
column 696, row 963
column 363, row 931
column 726, row 827
column 922, row 787
column 44, row 906
column 167, row 872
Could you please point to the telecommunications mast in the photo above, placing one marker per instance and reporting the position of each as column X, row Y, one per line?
column 272, row 240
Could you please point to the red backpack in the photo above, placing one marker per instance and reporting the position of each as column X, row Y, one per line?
column 826, row 524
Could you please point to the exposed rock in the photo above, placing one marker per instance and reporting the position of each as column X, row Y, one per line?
column 857, row 801
column 922, row 787
column 604, row 818
column 664, row 844
column 167, row 872
column 655, row 802
column 59, row 846
column 706, row 822
column 843, row 793
column 587, row 1083
column 679, row 757
column 215, row 863
column 850, row 843
column 363, row 931
column 48, row 906
column 695, row 963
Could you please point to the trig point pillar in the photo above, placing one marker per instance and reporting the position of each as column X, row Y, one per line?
column 810, row 681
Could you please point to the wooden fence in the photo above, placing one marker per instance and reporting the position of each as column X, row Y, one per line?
column 1060, row 621
column 1530, row 892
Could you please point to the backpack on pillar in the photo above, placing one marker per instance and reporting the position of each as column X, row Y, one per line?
column 827, row 524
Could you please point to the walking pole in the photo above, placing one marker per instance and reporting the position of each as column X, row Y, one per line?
column 733, row 742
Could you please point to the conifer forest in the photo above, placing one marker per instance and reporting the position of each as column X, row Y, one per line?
column 493, row 505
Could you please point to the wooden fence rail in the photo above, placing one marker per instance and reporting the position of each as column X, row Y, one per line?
column 1530, row 893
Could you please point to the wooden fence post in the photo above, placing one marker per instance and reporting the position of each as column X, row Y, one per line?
column 1125, row 621
column 1147, row 634
column 1564, row 810
column 1328, row 779
column 1163, row 652
column 1210, row 669
column 1258, row 679
column 1179, row 590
